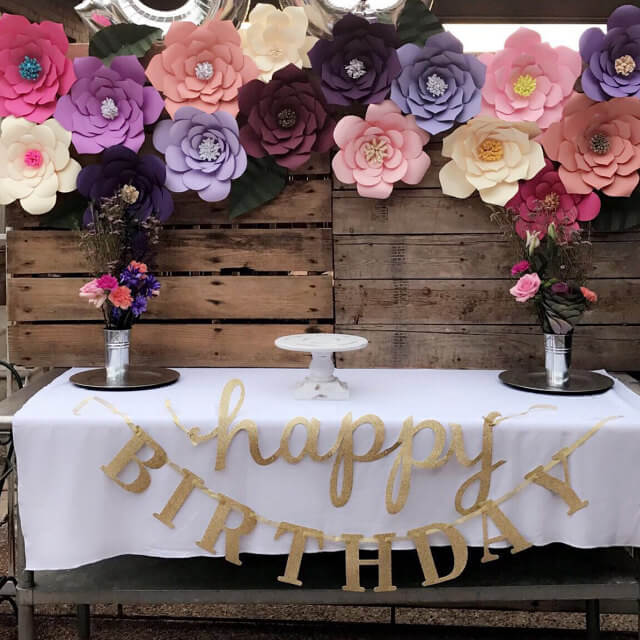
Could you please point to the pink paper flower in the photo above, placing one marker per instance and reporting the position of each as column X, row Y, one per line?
column 526, row 288
column 544, row 200
column 529, row 79
column 202, row 67
column 597, row 145
column 520, row 267
column 93, row 293
column 107, row 282
column 34, row 69
column 380, row 150
column 121, row 297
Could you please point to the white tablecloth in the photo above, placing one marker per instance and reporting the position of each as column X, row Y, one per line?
column 73, row 514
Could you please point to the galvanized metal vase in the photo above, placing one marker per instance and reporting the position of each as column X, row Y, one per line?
column 557, row 358
column 116, row 354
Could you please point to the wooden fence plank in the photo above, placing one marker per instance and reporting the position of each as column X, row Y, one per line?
column 485, row 347
column 463, row 256
column 466, row 302
column 194, row 297
column 184, row 250
column 163, row 345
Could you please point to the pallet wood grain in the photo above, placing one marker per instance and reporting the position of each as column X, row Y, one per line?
column 163, row 345
column 486, row 347
column 183, row 298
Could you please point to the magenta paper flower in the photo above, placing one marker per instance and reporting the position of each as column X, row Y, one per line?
column 529, row 79
column 202, row 152
column 34, row 69
column 544, row 200
column 287, row 118
column 380, row 150
column 108, row 106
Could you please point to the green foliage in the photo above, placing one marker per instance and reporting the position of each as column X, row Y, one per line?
column 123, row 40
column 416, row 23
column 260, row 183
column 67, row 213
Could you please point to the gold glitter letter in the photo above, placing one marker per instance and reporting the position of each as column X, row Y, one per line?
column 188, row 483
column 294, row 560
column 509, row 532
column 354, row 562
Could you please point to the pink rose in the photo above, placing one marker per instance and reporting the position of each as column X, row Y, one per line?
column 107, row 282
column 93, row 293
column 519, row 267
column 526, row 288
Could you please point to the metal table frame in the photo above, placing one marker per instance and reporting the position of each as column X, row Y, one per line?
column 555, row 574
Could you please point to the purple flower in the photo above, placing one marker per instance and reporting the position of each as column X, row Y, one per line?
column 613, row 59
column 139, row 305
column 439, row 84
column 202, row 152
column 108, row 105
column 560, row 287
column 122, row 166
column 359, row 63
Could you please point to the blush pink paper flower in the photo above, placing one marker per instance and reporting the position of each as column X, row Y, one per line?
column 597, row 145
column 202, row 67
column 380, row 150
column 93, row 293
column 526, row 288
column 529, row 80
column 34, row 69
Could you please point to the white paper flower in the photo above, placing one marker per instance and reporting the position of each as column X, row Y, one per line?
column 275, row 38
column 35, row 163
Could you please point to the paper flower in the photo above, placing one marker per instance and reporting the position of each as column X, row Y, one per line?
column 35, row 164
column 201, row 67
column 491, row 156
column 544, row 200
column 202, row 152
column 359, row 63
column 529, row 79
column 121, row 166
column 34, row 69
column 380, row 150
column 613, row 60
column 286, row 119
column 590, row 296
column 526, row 287
column 597, row 145
column 108, row 106
column 439, row 84
column 520, row 267
column 274, row 38
column 93, row 293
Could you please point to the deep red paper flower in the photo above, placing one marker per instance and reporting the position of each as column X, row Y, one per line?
column 286, row 119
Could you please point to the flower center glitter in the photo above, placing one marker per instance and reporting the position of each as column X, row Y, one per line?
column 525, row 85
column 287, row 118
column 129, row 194
column 599, row 143
column 625, row 65
column 209, row 150
column 550, row 202
column 355, row 69
column 375, row 151
column 436, row 86
column 490, row 150
column 275, row 52
column 204, row 70
column 109, row 109
column 33, row 158
column 30, row 69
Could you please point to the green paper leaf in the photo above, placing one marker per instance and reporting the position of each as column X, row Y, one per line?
column 260, row 183
column 416, row 23
column 123, row 40
column 67, row 212
column 618, row 214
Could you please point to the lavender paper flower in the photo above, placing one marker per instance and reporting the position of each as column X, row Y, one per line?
column 359, row 63
column 439, row 84
column 108, row 106
column 121, row 166
column 614, row 58
column 202, row 152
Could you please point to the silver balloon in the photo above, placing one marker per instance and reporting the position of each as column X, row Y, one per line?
column 97, row 13
column 323, row 14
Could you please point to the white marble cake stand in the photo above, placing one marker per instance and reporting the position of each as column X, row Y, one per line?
column 320, row 383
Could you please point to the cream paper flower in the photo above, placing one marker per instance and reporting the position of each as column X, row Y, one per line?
column 275, row 38
column 35, row 163
column 491, row 156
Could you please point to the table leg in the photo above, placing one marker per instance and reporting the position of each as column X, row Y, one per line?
column 25, row 622
column 593, row 619
column 84, row 622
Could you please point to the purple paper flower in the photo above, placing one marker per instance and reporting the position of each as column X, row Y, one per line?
column 561, row 288
column 614, row 58
column 108, row 106
column 202, row 152
column 439, row 84
column 139, row 305
column 359, row 63
column 121, row 166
